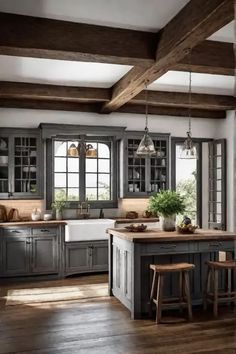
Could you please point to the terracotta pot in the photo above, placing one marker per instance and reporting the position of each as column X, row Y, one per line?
column 168, row 223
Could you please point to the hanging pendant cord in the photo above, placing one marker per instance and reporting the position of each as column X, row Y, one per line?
column 189, row 93
column 146, row 107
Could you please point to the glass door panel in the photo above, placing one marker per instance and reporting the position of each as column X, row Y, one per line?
column 4, row 165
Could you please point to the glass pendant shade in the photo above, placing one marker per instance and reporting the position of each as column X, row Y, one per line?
column 189, row 150
column 146, row 146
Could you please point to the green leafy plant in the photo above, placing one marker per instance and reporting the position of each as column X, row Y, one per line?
column 167, row 203
column 58, row 205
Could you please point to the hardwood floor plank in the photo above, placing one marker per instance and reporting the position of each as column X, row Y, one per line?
column 103, row 326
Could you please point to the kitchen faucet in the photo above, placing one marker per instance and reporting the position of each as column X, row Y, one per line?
column 83, row 210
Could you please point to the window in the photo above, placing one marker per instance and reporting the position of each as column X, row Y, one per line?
column 186, row 179
column 83, row 169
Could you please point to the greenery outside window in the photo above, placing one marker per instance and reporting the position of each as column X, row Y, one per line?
column 83, row 169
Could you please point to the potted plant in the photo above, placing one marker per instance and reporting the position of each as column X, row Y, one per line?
column 58, row 205
column 167, row 204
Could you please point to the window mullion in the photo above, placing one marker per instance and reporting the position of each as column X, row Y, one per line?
column 82, row 170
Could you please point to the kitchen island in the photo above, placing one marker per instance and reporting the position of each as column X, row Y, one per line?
column 131, row 253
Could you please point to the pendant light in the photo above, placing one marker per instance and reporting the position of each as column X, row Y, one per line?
column 146, row 147
column 189, row 150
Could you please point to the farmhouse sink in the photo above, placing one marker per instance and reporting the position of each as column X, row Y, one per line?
column 87, row 230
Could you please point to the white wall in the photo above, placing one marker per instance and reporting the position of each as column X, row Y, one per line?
column 177, row 126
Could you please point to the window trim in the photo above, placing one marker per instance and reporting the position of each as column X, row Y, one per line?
column 113, row 203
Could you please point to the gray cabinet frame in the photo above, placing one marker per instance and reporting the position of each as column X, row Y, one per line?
column 11, row 134
column 124, row 164
column 86, row 257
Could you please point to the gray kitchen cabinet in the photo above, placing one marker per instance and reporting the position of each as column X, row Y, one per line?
column 31, row 251
column 44, row 254
column 15, row 255
column 143, row 176
column 85, row 257
column 20, row 161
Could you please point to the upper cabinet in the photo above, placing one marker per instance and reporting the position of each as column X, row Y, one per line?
column 21, row 169
column 143, row 176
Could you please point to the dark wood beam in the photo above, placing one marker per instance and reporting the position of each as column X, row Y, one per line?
column 172, row 111
column 46, row 38
column 210, row 57
column 50, row 105
column 96, row 108
column 38, row 37
column 180, row 99
column 20, row 90
column 40, row 92
column 193, row 24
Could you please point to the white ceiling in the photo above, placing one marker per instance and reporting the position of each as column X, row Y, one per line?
column 149, row 15
column 201, row 83
column 60, row 72
column 225, row 34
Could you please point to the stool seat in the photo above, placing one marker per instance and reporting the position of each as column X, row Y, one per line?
column 169, row 268
column 159, row 273
column 222, row 264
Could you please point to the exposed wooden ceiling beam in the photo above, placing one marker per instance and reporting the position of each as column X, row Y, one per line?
column 180, row 99
column 96, row 108
column 172, row 111
column 46, row 38
column 20, row 90
column 210, row 57
column 19, row 36
column 193, row 24
column 41, row 92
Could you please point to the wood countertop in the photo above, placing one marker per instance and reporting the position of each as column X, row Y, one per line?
column 157, row 235
column 33, row 223
column 134, row 221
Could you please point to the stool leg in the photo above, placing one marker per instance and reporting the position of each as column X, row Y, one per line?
column 215, row 292
column 159, row 297
column 188, row 296
column 152, row 292
column 181, row 290
column 206, row 288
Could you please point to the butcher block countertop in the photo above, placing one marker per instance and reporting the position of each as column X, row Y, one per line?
column 157, row 235
column 33, row 223
column 134, row 221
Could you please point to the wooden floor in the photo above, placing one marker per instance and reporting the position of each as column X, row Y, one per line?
column 103, row 326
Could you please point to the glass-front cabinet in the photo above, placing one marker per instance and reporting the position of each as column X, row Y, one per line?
column 143, row 176
column 20, row 164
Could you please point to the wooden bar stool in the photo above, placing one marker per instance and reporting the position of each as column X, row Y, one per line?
column 158, row 283
column 213, row 295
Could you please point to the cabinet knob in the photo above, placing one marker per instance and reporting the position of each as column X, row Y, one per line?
column 10, row 194
column 28, row 242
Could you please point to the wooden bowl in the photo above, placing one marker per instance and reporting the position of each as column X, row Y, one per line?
column 136, row 227
column 187, row 230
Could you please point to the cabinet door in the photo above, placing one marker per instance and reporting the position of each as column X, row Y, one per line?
column 15, row 255
column 26, row 166
column 100, row 256
column 78, row 257
column 44, row 254
column 4, row 167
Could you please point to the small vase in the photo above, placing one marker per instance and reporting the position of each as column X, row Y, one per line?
column 58, row 215
column 168, row 223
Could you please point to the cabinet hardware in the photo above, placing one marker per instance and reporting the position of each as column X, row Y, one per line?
column 15, row 231
column 28, row 242
column 44, row 230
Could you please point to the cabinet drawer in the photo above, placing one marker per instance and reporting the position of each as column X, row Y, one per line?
column 215, row 245
column 167, row 247
column 44, row 231
column 15, row 232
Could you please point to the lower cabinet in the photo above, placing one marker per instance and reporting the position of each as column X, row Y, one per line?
column 30, row 252
column 83, row 257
